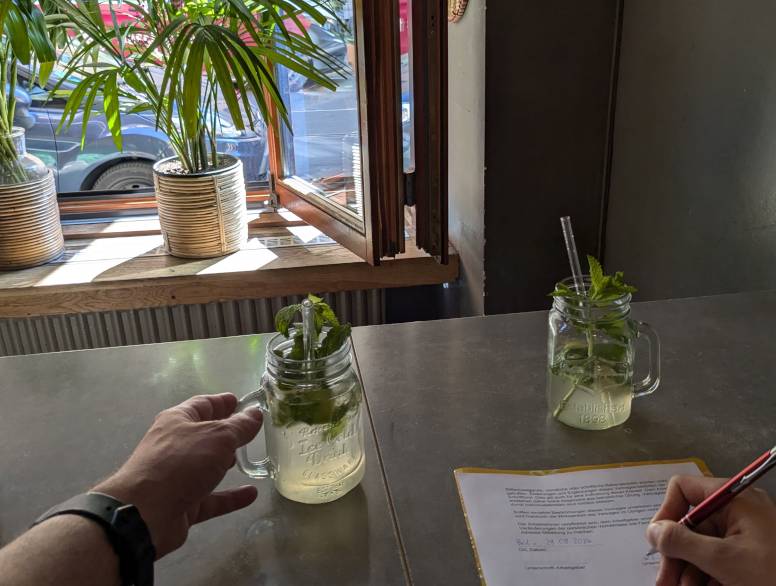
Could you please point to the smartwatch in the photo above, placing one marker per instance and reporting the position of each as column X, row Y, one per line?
column 125, row 528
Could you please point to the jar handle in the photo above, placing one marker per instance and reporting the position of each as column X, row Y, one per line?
column 255, row 468
column 652, row 380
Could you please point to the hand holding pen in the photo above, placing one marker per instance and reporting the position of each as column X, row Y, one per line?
column 736, row 546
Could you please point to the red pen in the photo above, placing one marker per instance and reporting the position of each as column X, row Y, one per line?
column 728, row 491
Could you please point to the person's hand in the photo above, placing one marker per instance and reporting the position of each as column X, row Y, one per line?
column 734, row 547
column 171, row 475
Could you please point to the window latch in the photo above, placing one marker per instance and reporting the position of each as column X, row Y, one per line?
column 409, row 189
column 273, row 194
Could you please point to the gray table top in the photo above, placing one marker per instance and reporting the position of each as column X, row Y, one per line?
column 68, row 419
column 471, row 392
column 442, row 395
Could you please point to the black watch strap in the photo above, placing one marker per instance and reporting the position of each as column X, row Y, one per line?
column 125, row 528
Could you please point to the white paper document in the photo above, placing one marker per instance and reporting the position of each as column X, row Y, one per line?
column 583, row 527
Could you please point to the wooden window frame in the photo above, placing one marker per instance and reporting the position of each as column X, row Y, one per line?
column 378, row 78
column 431, row 139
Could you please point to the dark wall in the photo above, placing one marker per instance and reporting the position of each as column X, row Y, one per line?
column 693, row 193
column 547, row 108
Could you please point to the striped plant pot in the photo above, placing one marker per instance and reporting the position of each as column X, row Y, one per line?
column 202, row 215
column 30, row 232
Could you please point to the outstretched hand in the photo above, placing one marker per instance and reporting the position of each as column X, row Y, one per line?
column 171, row 475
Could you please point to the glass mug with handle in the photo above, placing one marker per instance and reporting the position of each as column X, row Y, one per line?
column 591, row 351
column 313, row 424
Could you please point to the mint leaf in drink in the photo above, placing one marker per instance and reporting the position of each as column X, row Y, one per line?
column 327, row 314
column 334, row 340
column 596, row 273
column 602, row 287
column 285, row 317
column 322, row 404
column 324, row 317
column 562, row 290
column 297, row 350
column 606, row 287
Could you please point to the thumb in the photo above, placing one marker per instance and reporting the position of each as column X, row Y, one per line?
column 677, row 541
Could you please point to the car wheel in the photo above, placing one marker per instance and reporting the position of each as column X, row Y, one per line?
column 127, row 175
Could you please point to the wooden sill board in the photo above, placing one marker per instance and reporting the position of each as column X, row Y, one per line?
column 132, row 272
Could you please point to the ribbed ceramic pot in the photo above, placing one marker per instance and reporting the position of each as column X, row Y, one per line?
column 202, row 215
column 30, row 231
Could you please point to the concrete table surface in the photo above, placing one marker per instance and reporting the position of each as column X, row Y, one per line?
column 68, row 419
column 442, row 395
column 471, row 392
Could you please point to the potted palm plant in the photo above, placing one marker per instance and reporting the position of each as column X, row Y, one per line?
column 189, row 63
column 30, row 232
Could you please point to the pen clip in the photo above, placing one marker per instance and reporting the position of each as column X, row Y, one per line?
column 769, row 463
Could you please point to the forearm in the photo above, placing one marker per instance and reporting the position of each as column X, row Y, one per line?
column 63, row 551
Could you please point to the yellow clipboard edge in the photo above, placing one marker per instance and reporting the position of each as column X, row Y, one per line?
column 697, row 461
column 469, row 525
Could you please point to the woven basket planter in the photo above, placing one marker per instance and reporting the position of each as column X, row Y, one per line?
column 30, row 232
column 202, row 215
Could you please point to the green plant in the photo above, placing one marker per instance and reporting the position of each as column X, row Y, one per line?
column 317, row 403
column 181, row 59
column 24, row 39
column 324, row 316
column 602, row 287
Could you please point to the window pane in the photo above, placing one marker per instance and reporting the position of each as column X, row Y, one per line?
column 407, row 105
column 322, row 157
column 100, row 165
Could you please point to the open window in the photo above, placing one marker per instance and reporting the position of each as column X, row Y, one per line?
column 361, row 155
column 366, row 164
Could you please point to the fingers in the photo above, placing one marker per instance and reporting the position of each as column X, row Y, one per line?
column 684, row 491
column 675, row 572
column 670, row 572
column 676, row 541
column 692, row 576
column 759, row 496
column 208, row 407
column 243, row 426
column 224, row 502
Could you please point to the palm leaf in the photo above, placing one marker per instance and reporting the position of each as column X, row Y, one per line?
column 223, row 77
column 74, row 102
column 211, row 52
column 16, row 31
column 110, row 105
column 44, row 72
column 88, row 112
column 40, row 43
column 192, row 82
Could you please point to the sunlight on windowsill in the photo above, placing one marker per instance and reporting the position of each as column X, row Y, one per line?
column 241, row 261
column 102, row 255
column 305, row 233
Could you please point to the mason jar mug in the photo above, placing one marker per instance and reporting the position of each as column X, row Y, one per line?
column 313, row 424
column 591, row 355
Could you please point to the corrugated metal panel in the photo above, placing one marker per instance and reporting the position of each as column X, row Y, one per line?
column 167, row 324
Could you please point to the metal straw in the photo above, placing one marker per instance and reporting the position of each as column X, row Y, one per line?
column 571, row 249
column 308, row 329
